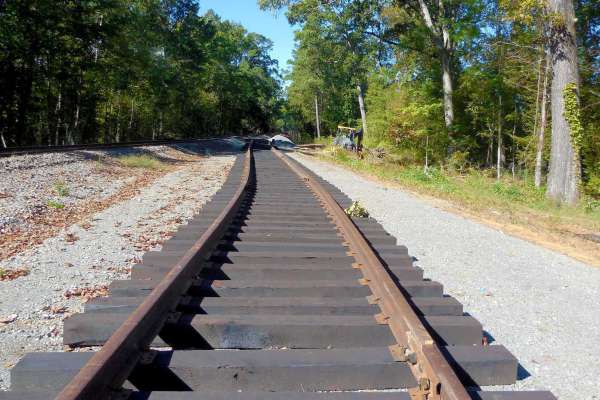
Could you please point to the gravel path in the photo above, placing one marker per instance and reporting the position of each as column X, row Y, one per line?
column 85, row 257
column 543, row 306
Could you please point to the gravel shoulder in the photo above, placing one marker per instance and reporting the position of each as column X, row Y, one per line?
column 79, row 260
column 543, row 306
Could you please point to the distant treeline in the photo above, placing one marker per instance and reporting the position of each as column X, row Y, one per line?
column 115, row 70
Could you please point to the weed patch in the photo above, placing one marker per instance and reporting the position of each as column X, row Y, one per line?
column 55, row 204
column 141, row 161
column 61, row 188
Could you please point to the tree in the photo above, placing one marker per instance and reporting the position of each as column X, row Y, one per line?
column 344, row 25
column 446, row 22
column 116, row 70
column 564, row 178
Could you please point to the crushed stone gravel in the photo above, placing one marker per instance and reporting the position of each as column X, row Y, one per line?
column 85, row 257
column 542, row 306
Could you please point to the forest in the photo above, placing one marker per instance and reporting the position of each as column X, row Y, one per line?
column 500, row 85
column 503, row 84
column 81, row 71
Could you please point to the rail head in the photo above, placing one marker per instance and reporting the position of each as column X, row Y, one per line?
column 109, row 368
column 435, row 377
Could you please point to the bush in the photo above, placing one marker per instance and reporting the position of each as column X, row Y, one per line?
column 402, row 157
column 592, row 187
column 458, row 161
column 592, row 205
column 356, row 210
column 508, row 191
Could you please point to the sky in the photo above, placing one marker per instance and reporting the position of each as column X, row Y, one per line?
column 247, row 13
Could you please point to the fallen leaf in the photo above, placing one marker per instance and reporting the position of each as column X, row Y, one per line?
column 3, row 195
column 87, row 293
column 71, row 238
column 58, row 309
column 12, row 274
column 9, row 319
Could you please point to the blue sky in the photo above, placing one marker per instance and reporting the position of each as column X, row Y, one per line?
column 273, row 26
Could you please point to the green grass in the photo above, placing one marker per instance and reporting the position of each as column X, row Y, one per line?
column 61, row 188
column 478, row 190
column 55, row 204
column 325, row 140
column 141, row 161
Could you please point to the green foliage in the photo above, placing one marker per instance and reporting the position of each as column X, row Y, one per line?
column 573, row 115
column 478, row 190
column 141, row 161
column 511, row 192
column 115, row 70
column 55, row 204
column 593, row 186
column 356, row 210
column 61, row 188
column 334, row 54
column 458, row 161
column 404, row 115
column 592, row 205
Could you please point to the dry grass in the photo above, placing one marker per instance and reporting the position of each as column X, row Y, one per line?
column 141, row 161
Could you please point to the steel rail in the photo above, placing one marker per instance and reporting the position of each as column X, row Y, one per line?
column 436, row 378
column 13, row 151
column 107, row 370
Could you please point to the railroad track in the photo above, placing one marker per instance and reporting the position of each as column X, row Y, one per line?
column 13, row 151
column 273, row 292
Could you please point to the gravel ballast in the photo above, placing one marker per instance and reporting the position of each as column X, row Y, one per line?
column 83, row 258
column 543, row 306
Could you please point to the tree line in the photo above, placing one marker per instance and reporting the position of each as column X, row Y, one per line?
column 81, row 71
column 498, row 84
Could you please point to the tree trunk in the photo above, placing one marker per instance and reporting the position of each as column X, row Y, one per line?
column 75, row 129
column 75, row 121
column 118, row 128
column 160, row 125
column 317, row 115
column 540, row 137
column 514, row 150
column 130, row 126
column 447, row 88
column 564, row 176
column 3, row 140
column 441, row 37
column 363, row 114
column 427, row 153
column 499, row 155
column 490, row 150
column 58, row 113
column 537, row 95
